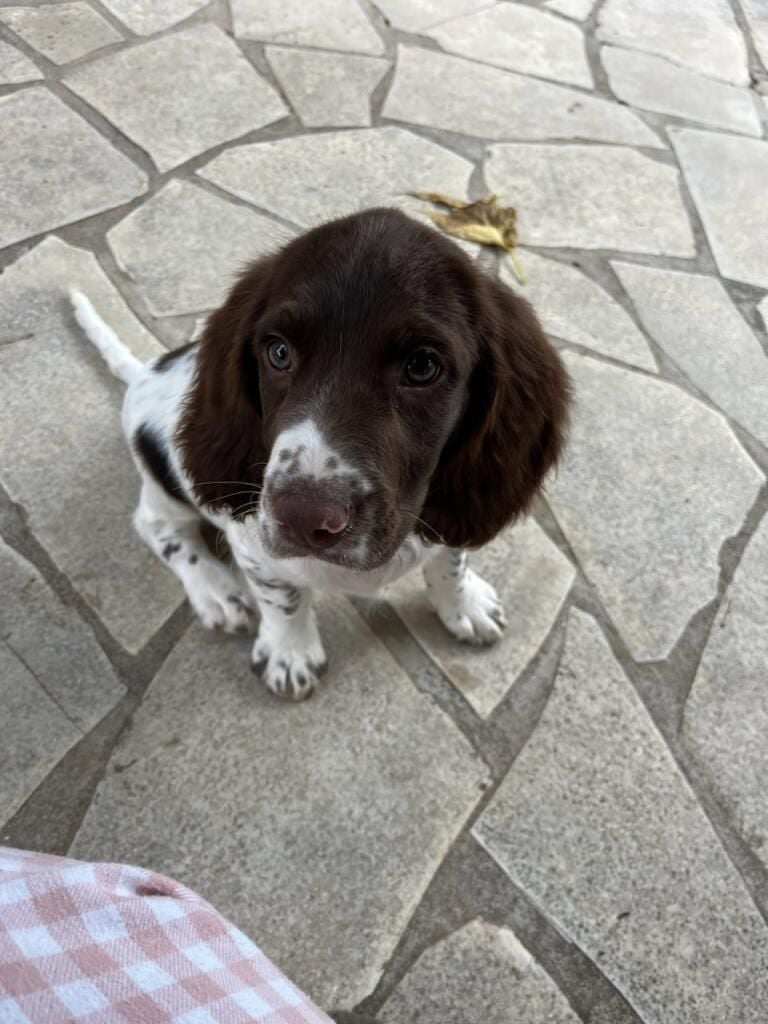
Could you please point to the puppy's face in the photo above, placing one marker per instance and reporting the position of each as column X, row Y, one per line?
column 372, row 382
column 364, row 355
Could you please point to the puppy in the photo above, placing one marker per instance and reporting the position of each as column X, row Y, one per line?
column 364, row 403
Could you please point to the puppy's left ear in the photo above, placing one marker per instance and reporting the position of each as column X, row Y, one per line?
column 513, row 428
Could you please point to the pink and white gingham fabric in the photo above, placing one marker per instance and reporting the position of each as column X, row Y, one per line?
column 98, row 943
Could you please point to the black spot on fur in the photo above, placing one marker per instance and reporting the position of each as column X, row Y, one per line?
column 193, row 559
column 170, row 548
column 154, row 456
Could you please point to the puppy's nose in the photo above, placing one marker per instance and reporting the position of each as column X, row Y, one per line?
column 309, row 521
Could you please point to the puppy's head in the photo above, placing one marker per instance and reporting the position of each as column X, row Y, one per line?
column 368, row 382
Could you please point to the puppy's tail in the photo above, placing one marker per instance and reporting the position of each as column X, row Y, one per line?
column 118, row 357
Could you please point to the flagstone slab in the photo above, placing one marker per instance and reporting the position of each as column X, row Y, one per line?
column 756, row 13
column 726, row 175
column 692, row 318
column 418, row 15
column 61, row 32
column 325, row 24
column 311, row 178
column 592, row 197
column 480, row 973
column 145, row 17
column 726, row 716
column 652, row 484
column 441, row 91
column 519, row 38
column 327, row 89
column 185, row 246
column 55, row 168
column 56, row 682
column 653, row 83
column 702, row 36
column 598, row 826
column 185, row 112
column 16, row 67
column 575, row 308
column 315, row 827
column 63, row 457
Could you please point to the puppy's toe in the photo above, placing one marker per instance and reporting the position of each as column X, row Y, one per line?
column 291, row 676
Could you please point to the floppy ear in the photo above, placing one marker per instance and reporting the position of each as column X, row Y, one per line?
column 220, row 435
column 512, row 430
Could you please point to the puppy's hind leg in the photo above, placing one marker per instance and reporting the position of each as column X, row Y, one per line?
column 172, row 530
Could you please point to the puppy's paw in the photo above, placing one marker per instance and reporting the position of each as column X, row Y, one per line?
column 472, row 612
column 290, row 665
column 218, row 599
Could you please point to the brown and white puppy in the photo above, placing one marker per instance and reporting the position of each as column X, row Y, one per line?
column 364, row 402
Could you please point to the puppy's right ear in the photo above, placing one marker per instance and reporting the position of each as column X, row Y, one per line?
column 220, row 434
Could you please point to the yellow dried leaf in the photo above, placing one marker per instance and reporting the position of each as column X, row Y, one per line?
column 483, row 221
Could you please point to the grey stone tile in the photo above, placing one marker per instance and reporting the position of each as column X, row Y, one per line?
column 144, row 17
column 480, row 973
column 418, row 15
column 310, row 178
column 703, row 36
column 62, row 32
column 519, row 38
column 532, row 578
column 726, row 716
column 654, row 83
column 598, row 826
column 316, row 828
column 756, row 12
column 573, row 307
column 15, row 67
column 327, row 89
column 649, row 536
column 63, row 457
column 327, row 24
column 185, row 246
column 55, row 168
column 592, row 197
column 726, row 176
column 716, row 348
column 34, row 733
column 54, row 644
column 579, row 10
column 452, row 93
column 185, row 112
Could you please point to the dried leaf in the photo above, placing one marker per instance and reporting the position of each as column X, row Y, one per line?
column 483, row 221
column 485, row 234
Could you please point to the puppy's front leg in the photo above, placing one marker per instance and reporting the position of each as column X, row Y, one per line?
column 468, row 607
column 288, row 653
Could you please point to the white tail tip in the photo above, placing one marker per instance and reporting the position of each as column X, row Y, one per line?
column 118, row 357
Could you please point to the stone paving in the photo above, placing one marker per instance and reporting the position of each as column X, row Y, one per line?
column 569, row 827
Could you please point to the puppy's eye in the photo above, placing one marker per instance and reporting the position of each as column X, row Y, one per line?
column 279, row 354
column 422, row 368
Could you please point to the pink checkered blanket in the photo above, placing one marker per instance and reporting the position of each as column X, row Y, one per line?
column 98, row 943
